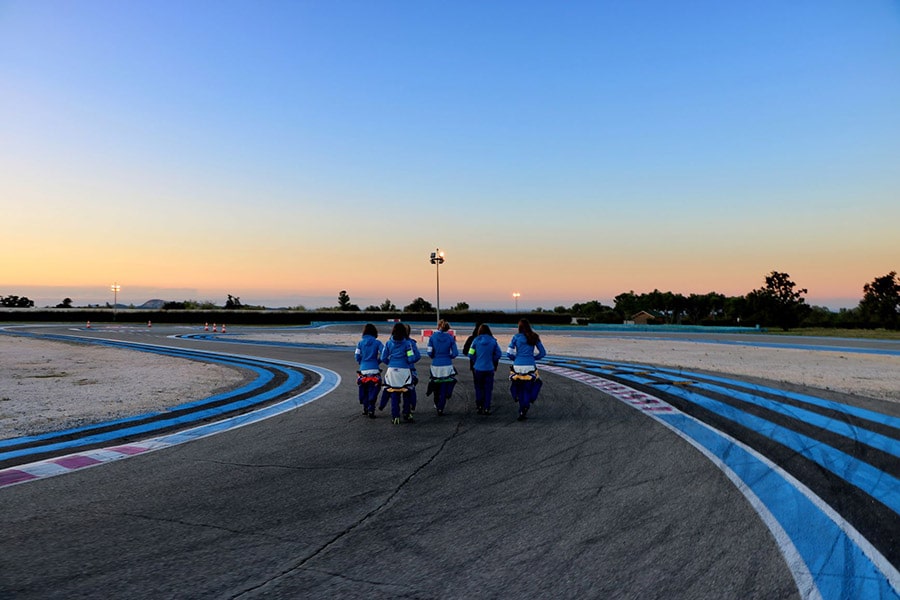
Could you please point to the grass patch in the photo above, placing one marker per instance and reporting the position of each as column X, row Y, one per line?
column 863, row 334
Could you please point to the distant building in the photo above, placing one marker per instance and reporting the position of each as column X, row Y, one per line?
column 642, row 318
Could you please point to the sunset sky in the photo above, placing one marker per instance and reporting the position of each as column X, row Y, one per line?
column 284, row 151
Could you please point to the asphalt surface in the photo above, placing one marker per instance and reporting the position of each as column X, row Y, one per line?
column 588, row 498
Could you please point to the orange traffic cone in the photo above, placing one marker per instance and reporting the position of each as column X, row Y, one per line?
column 89, row 325
column 223, row 327
column 206, row 327
column 214, row 328
column 149, row 324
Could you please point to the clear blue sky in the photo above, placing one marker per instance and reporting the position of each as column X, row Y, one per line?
column 283, row 151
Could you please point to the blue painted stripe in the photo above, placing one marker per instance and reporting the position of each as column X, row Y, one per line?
column 264, row 376
column 862, row 413
column 880, row 485
column 852, row 432
column 847, row 409
column 329, row 381
column 843, row 572
column 777, row 345
column 294, row 379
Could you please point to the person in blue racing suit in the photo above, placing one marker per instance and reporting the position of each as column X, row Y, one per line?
column 442, row 350
column 484, row 355
column 399, row 355
column 525, row 348
column 368, row 377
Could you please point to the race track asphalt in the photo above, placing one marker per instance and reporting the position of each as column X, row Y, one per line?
column 587, row 499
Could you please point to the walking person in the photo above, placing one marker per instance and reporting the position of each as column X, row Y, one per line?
column 484, row 356
column 525, row 348
column 409, row 396
column 469, row 340
column 368, row 377
column 399, row 357
column 442, row 350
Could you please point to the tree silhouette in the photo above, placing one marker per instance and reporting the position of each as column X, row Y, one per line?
column 778, row 303
column 419, row 305
column 344, row 301
column 881, row 301
column 16, row 302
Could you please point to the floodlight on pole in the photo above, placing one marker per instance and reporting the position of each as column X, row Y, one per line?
column 437, row 257
column 115, row 289
column 516, row 296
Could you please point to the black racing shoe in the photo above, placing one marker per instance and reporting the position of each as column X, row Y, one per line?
column 408, row 418
column 479, row 410
column 522, row 417
column 486, row 411
column 372, row 414
column 395, row 421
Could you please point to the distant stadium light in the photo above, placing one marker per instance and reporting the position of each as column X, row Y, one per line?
column 115, row 289
column 437, row 257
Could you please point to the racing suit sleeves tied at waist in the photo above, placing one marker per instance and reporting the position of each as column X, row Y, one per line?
column 523, row 373
column 397, row 377
column 369, row 377
column 443, row 372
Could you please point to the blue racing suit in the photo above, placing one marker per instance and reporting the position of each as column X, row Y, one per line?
column 399, row 356
column 484, row 354
column 368, row 355
column 442, row 350
column 525, row 383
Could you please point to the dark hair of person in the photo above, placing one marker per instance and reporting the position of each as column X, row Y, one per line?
column 370, row 329
column 399, row 332
column 530, row 335
column 408, row 329
column 477, row 330
column 485, row 329
column 444, row 325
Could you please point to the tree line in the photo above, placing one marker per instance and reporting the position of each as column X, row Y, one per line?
column 419, row 305
column 778, row 303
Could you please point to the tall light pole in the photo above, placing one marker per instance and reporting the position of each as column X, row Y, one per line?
column 115, row 289
column 437, row 257
column 516, row 296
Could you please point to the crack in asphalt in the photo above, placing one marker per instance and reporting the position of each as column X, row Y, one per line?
column 396, row 590
column 352, row 527
column 200, row 525
column 291, row 467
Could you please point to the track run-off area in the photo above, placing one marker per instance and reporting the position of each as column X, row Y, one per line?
column 629, row 481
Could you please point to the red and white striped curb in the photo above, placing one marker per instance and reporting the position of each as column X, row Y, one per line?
column 639, row 400
column 73, row 462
